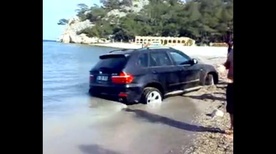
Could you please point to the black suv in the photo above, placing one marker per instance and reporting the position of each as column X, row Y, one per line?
column 146, row 75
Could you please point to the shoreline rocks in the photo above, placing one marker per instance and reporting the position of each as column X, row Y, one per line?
column 209, row 99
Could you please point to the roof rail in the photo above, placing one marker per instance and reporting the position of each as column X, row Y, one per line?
column 157, row 46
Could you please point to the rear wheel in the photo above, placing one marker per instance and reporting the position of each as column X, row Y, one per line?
column 152, row 96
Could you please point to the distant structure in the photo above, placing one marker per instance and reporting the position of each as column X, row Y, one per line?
column 171, row 41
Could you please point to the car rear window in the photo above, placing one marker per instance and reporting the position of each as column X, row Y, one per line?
column 116, row 62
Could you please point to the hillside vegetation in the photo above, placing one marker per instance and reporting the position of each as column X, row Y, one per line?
column 202, row 20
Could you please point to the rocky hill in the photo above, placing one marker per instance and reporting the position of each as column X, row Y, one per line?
column 75, row 25
column 70, row 34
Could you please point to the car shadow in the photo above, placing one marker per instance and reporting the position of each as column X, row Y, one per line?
column 154, row 118
column 95, row 149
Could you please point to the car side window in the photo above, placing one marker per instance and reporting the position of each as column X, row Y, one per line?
column 179, row 58
column 143, row 60
column 159, row 59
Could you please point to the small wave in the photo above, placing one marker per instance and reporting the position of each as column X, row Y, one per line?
column 56, row 86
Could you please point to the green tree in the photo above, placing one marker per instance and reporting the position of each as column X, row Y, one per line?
column 62, row 22
column 81, row 10
column 111, row 4
column 203, row 20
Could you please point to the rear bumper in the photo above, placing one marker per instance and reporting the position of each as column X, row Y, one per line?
column 130, row 93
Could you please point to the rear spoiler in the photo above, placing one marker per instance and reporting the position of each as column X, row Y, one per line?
column 105, row 56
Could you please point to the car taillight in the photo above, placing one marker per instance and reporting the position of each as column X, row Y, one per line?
column 91, row 77
column 123, row 78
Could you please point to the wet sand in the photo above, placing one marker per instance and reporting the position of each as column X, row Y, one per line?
column 120, row 129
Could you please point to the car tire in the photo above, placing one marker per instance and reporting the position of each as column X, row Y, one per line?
column 151, row 95
column 209, row 80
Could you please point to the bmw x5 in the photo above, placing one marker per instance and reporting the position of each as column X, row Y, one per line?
column 146, row 75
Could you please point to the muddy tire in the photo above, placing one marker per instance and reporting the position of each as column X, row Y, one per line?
column 209, row 80
column 151, row 96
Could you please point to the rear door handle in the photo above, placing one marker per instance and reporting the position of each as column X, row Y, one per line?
column 154, row 72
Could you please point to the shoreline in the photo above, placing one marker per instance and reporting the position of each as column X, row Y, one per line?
column 205, row 51
column 193, row 51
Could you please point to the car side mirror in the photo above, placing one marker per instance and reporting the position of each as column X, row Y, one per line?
column 194, row 61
